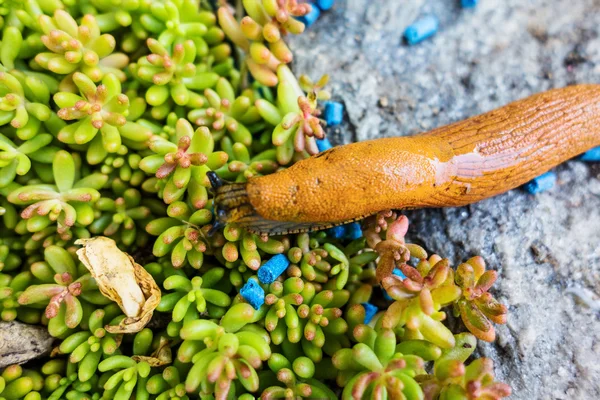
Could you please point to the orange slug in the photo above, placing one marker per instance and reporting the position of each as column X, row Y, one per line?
column 451, row 166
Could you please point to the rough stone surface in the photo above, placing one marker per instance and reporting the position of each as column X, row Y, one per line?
column 20, row 343
column 546, row 246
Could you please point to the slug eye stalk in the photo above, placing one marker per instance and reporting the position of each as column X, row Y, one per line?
column 220, row 218
column 215, row 181
column 231, row 203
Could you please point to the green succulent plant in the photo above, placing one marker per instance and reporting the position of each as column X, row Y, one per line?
column 167, row 385
column 453, row 379
column 61, row 290
column 99, row 109
column 124, row 376
column 87, row 348
column 24, row 103
column 242, row 166
column 173, row 20
column 15, row 159
column 114, row 14
column 173, row 74
column 18, row 383
column 477, row 308
column 247, row 247
column 226, row 113
column 181, row 168
column 321, row 324
column 227, row 351
column 9, row 260
column 419, row 298
column 78, row 47
column 260, row 34
column 123, row 218
column 112, row 114
column 183, row 235
column 65, row 203
column 295, row 380
column 61, row 381
column 10, row 290
column 282, row 301
column 373, row 369
column 197, row 292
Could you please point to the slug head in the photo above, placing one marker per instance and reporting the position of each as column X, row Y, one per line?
column 231, row 203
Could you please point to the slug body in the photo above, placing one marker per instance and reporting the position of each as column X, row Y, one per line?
column 450, row 166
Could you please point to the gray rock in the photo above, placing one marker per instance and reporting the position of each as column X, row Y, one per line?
column 20, row 343
column 545, row 247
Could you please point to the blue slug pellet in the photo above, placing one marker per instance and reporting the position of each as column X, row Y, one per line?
column 421, row 29
column 468, row 3
column 337, row 232
column 370, row 311
column 323, row 144
column 253, row 294
column 311, row 17
column 541, row 183
column 324, row 5
column 353, row 231
column 334, row 113
column 271, row 270
column 591, row 155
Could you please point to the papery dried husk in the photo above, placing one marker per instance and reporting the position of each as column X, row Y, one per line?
column 161, row 356
column 122, row 280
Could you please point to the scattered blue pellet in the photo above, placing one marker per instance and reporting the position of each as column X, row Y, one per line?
column 370, row 311
column 271, row 270
column 324, row 5
column 541, row 183
column 323, row 144
column 421, row 29
column 591, row 155
column 337, row 232
column 468, row 3
column 311, row 17
column 334, row 113
column 399, row 273
column 349, row 231
column 353, row 231
column 253, row 294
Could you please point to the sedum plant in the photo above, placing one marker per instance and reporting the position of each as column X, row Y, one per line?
column 373, row 369
column 228, row 351
column 16, row 159
column 100, row 113
column 65, row 203
column 115, row 116
column 78, row 47
column 196, row 292
column 260, row 34
column 173, row 74
column 453, row 379
column 477, row 307
column 24, row 103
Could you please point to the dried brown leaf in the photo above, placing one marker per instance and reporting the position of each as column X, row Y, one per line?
column 161, row 356
column 122, row 280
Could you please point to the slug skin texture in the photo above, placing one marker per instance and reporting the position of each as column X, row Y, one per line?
column 451, row 166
